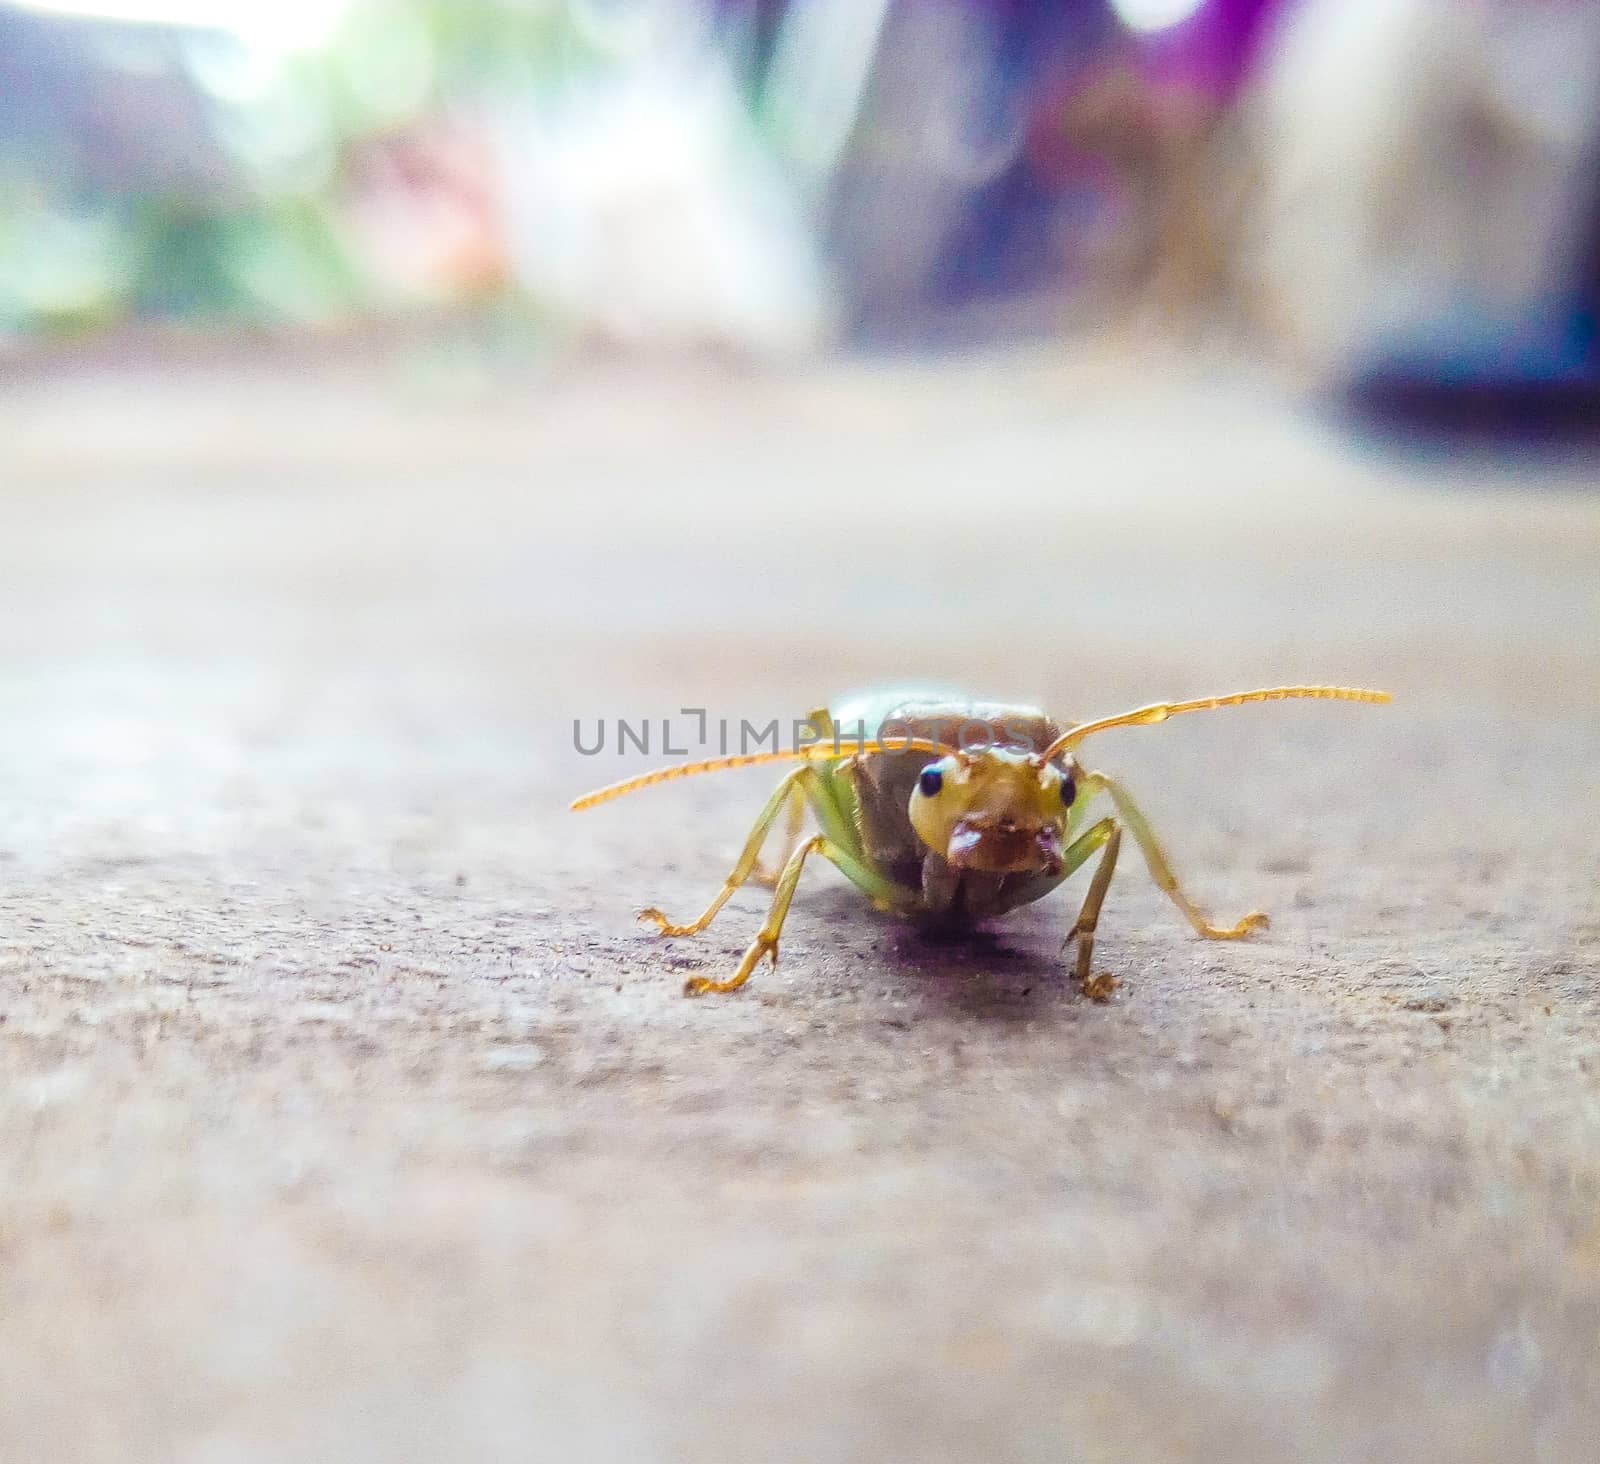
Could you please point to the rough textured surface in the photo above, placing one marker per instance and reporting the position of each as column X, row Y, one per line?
column 347, row 1114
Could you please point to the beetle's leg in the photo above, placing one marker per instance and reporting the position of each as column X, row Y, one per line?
column 766, row 941
column 1161, row 871
column 768, row 878
column 747, row 860
column 1097, row 988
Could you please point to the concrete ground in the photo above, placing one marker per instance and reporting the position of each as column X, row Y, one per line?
column 345, row 1113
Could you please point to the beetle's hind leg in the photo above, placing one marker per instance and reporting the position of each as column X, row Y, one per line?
column 1161, row 870
column 791, row 787
column 768, row 878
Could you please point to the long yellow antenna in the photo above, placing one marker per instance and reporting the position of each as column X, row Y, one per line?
column 812, row 752
column 1160, row 711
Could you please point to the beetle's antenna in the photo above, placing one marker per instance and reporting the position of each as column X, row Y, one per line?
column 1160, row 711
column 811, row 752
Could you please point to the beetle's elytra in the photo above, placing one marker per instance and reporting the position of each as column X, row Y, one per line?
column 930, row 827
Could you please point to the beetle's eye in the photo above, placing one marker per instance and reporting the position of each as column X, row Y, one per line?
column 931, row 781
column 1069, row 791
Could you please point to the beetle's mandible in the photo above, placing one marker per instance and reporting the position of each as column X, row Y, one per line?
column 931, row 828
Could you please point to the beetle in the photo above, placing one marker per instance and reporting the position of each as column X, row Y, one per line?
column 930, row 827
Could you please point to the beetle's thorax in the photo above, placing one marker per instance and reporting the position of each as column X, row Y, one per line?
column 998, row 811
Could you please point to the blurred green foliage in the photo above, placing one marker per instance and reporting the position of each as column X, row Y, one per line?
column 218, row 183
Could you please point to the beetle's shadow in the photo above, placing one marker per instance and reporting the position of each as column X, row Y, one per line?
column 1014, row 971
column 1011, row 974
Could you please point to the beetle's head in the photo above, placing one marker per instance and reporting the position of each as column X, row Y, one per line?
column 997, row 810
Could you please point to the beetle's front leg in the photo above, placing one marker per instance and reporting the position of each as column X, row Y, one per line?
column 1161, row 871
column 768, row 878
column 766, row 941
column 1096, row 988
column 1106, row 834
column 748, row 859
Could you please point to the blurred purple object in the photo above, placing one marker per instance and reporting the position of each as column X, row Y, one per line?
column 1213, row 51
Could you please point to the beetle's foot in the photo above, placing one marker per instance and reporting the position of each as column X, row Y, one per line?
column 762, row 945
column 1101, row 987
column 1096, row 988
column 701, row 985
column 1251, row 923
column 766, row 878
column 666, row 927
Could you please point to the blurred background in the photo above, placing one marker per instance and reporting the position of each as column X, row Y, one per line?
column 387, row 386
column 1399, row 187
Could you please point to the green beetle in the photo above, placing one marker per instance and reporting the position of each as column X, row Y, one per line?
column 934, row 824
